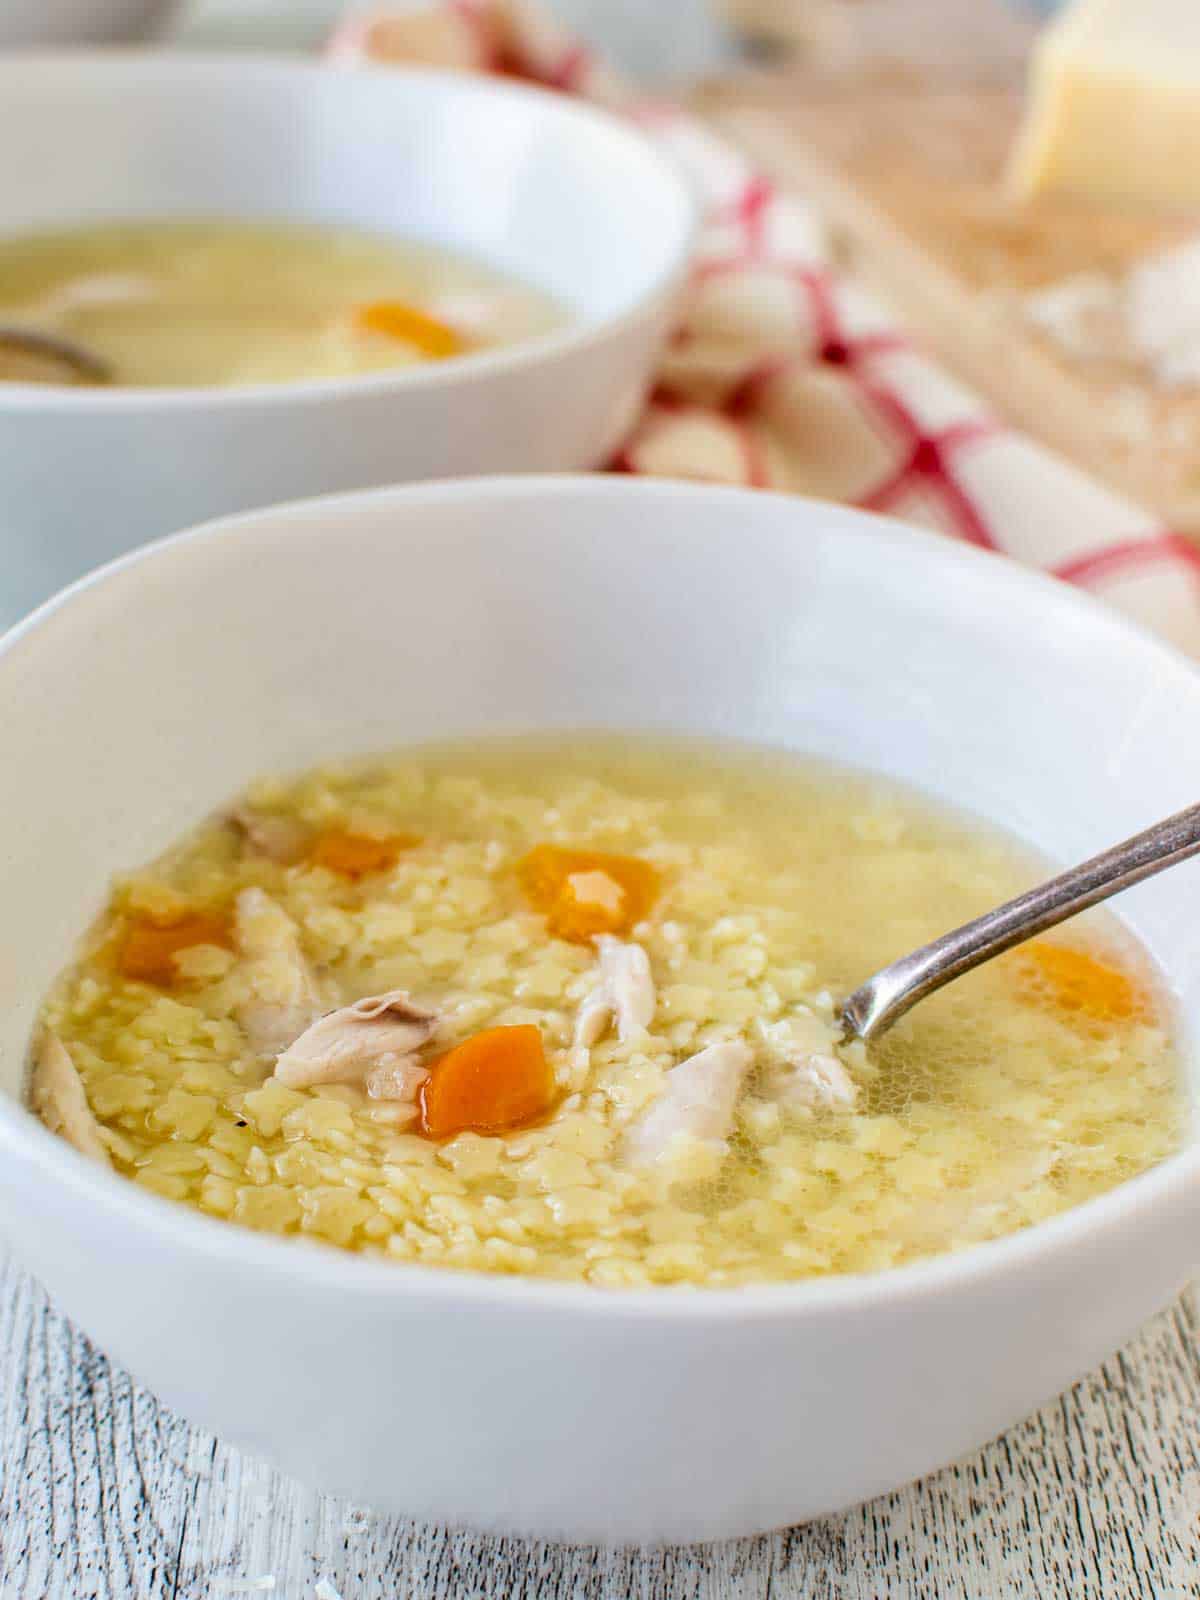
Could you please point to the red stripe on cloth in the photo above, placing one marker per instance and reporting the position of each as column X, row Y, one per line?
column 884, row 495
column 625, row 458
column 751, row 212
column 747, row 211
column 924, row 468
column 820, row 307
column 662, row 403
column 818, row 310
column 891, row 411
column 818, row 291
column 928, row 465
column 663, row 398
column 863, row 346
column 962, row 434
column 569, row 71
column 721, row 266
column 967, row 519
column 754, row 461
column 749, row 391
column 1129, row 556
column 494, row 59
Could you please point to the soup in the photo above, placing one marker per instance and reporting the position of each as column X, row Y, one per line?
column 567, row 1008
column 228, row 303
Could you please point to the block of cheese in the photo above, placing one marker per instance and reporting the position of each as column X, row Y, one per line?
column 1114, row 105
column 1079, row 322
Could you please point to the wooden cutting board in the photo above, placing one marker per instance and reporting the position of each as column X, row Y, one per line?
column 942, row 35
column 905, row 160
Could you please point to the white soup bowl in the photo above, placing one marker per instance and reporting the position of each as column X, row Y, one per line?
column 146, row 696
column 558, row 194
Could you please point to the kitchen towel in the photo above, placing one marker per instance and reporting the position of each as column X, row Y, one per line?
column 784, row 374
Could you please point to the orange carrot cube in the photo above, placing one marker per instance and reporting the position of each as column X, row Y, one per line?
column 435, row 340
column 586, row 892
column 1070, row 980
column 498, row 1079
column 150, row 944
column 357, row 855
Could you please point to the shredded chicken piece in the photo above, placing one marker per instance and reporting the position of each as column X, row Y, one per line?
column 697, row 1102
column 806, row 1074
column 96, row 290
column 281, row 839
column 285, row 998
column 58, row 1097
column 379, row 1032
column 397, row 1079
column 625, row 991
column 817, row 1082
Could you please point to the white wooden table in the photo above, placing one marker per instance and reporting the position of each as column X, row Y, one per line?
column 104, row 1494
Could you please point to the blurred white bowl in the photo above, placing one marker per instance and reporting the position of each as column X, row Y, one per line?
column 144, row 698
column 66, row 22
column 553, row 191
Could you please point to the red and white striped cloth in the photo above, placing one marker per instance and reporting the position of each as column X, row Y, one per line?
column 785, row 375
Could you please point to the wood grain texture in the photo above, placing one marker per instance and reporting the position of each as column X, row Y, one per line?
column 104, row 1495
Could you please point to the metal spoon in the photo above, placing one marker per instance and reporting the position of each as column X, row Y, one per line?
column 28, row 356
column 895, row 989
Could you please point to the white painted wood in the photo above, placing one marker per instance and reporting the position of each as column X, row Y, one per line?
column 106, row 1496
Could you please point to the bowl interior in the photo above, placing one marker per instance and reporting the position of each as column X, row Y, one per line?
column 562, row 196
column 150, row 694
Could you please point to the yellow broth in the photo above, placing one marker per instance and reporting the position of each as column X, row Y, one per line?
column 231, row 303
column 1011, row 1096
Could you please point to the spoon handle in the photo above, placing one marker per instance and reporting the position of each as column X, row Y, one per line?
column 45, row 358
column 884, row 998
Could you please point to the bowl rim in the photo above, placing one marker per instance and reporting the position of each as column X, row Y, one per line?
column 572, row 338
column 1171, row 1183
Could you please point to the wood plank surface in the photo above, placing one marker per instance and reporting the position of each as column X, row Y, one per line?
column 104, row 1495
